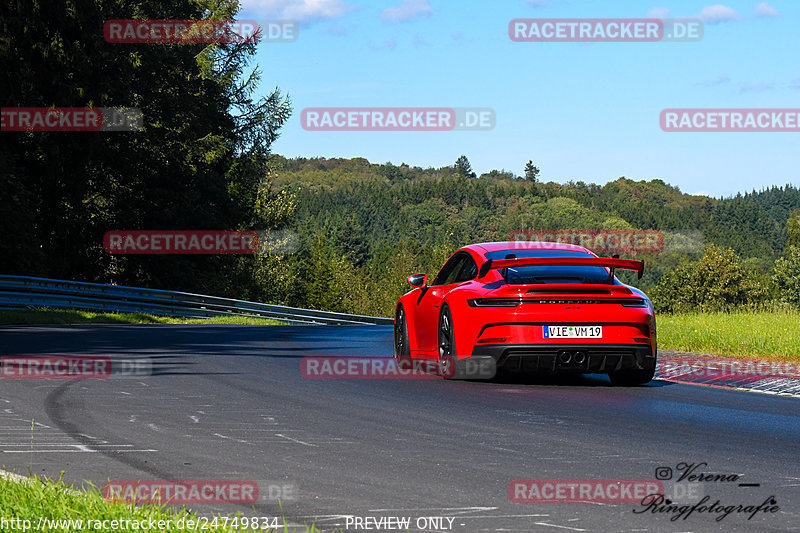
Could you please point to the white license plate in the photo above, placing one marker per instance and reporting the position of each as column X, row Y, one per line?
column 572, row 332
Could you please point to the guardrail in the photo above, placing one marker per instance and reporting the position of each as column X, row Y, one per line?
column 23, row 292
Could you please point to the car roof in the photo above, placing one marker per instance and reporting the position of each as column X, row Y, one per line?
column 485, row 247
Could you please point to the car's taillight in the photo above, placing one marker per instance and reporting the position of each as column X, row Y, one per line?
column 492, row 302
column 636, row 302
column 653, row 334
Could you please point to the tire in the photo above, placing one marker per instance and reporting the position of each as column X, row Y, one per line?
column 634, row 376
column 447, row 345
column 402, row 351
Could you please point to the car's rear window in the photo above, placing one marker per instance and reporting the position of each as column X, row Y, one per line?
column 549, row 274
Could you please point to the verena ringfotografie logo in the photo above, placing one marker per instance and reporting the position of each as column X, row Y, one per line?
column 688, row 497
column 583, row 490
column 55, row 367
column 396, row 118
column 71, row 119
column 180, row 242
column 181, row 492
column 598, row 240
column 604, row 30
column 333, row 367
column 730, row 120
column 168, row 31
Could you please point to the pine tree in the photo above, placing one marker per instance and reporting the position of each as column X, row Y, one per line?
column 463, row 168
column 531, row 172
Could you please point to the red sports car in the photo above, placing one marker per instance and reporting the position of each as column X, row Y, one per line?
column 531, row 307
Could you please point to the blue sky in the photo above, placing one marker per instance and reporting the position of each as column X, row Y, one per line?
column 581, row 111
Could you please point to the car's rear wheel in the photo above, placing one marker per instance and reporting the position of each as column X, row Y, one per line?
column 447, row 345
column 402, row 350
column 633, row 376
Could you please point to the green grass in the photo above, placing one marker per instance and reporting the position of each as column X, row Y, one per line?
column 772, row 335
column 37, row 498
column 71, row 316
column 765, row 335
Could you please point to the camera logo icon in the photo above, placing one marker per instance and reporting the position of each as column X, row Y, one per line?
column 663, row 473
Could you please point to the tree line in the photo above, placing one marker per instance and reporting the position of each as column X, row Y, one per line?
column 366, row 226
column 204, row 161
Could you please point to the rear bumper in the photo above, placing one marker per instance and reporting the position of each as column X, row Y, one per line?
column 568, row 358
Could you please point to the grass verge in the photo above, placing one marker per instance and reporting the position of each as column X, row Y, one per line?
column 764, row 335
column 71, row 316
column 26, row 504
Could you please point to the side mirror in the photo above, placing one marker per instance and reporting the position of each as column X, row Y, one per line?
column 418, row 280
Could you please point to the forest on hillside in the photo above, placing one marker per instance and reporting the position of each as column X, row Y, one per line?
column 364, row 227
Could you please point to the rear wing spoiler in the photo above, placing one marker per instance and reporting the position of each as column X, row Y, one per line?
column 612, row 263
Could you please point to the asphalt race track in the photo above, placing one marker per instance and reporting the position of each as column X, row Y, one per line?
column 229, row 402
